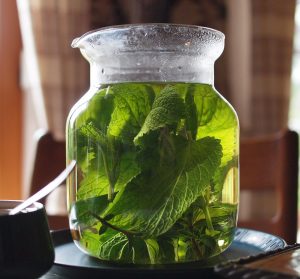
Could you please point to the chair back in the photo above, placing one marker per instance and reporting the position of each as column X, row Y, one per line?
column 49, row 162
column 269, row 177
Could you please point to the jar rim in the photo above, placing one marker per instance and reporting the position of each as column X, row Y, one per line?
column 148, row 26
column 152, row 51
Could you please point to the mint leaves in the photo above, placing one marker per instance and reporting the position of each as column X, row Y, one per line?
column 150, row 205
column 132, row 104
column 167, row 110
column 152, row 161
column 217, row 120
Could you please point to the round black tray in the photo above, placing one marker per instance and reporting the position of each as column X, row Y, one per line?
column 70, row 262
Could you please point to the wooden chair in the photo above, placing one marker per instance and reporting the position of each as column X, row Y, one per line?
column 49, row 162
column 269, row 171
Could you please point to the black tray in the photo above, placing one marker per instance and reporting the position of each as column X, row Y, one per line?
column 70, row 262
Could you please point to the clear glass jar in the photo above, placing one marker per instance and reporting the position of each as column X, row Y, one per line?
column 156, row 147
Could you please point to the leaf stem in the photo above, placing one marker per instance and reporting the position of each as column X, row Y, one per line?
column 208, row 218
column 195, row 245
column 207, row 214
column 111, row 186
column 196, row 248
column 104, row 222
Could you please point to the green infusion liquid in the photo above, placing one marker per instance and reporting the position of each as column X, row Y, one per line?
column 157, row 172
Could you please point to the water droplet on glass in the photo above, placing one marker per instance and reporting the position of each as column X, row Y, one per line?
column 102, row 71
column 167, row 29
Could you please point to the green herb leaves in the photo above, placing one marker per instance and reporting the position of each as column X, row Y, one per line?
column 150, row 205
column 148, row 156
column 132, row 103
column 167, row 110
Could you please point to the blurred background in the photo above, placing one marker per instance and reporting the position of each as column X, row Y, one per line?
column 41, row 76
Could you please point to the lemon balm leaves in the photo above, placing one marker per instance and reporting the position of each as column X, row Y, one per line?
column 191, row 121
column 132, row 104
column 96, row 183
column 125, row 248
column 218, row 121
column 151, row 205
column 160, row 148
column 110, row 170
column 85, row 207
column 167, row 110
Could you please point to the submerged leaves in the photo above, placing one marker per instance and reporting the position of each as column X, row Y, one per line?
column 151, row 204
column 167, row 110
column 144, row 165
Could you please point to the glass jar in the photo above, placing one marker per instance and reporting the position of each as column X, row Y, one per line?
column 156, row 147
